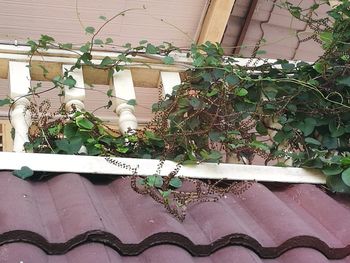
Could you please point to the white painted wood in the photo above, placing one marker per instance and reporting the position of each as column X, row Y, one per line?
column 19, row 82
column 76, row 95
column 12, row 49
column 150, row 65
column 169, row 80
column 124, row 91
column 19, row 78
column 98, row 165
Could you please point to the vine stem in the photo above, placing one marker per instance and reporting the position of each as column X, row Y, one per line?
column 111, row 19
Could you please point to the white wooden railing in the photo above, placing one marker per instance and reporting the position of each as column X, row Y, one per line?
column 15, row 61
column 19, row 76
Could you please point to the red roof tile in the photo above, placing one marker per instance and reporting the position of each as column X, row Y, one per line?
column 69, row 208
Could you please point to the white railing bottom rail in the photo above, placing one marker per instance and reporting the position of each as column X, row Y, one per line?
column 99, row 165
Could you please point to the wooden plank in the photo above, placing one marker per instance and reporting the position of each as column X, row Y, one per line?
column 215, row 21
column 99, row 165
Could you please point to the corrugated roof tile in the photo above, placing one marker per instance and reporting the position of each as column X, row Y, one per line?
column 68, row 205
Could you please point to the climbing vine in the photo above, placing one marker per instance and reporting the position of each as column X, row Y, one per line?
column 282, row 112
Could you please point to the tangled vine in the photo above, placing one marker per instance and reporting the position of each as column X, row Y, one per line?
column 283, row 112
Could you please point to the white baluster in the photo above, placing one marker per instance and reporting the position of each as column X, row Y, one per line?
column 124, row 91
column 19, row 81
column 169, row 81
column 76, row 95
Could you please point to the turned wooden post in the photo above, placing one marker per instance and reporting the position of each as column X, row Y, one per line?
column 169, row 80
column 75, row 95
column 19, row 82
column 124, row 91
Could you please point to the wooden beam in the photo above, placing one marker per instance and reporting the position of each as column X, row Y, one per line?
column 215, row 21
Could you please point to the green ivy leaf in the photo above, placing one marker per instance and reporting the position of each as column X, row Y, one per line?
column 110, row 93
column 66, row 46
column 69, row 146
column 70, row 130
column 131, row 102
column 195, row 103
column 84, row 123
column 344, row 81
column 168, row 60
column 214, row 156
column 346, row 176
column 329, row 142
column 260, row 52
column 151, row 136
column 260, row 128
column 319, row 67
column 215, row 136
column 151, row 49
column 199, row 61
column 280, row 137
column 337, row 185
column 288, row 66
column 241, row 92
column 175, row 182
column 307, row 126
column 107, row 61
column 98, row 42
column 103, row 18
column 335, row 129
column 24, row 172
column 108, row 41
column 154, row 180
column 332, row 170
column 89, row 30
column 122, row 149
column 70, row 82
column 345, row 160
column 326, row 37
column 339, row 132
column 260, row 145
column 292, row 107
column 165, row 194
column 85, row 48
column 232, row 79
column 212, row 92
column 4, row 102
column 313, row 141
